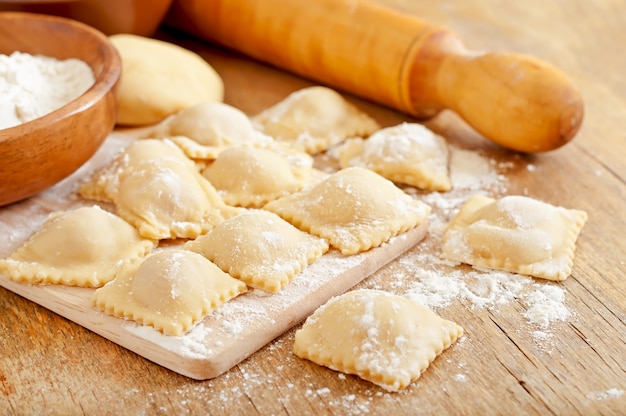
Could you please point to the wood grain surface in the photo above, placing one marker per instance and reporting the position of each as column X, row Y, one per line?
column 50, row 365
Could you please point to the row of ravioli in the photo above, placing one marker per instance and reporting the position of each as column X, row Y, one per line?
column 252, row 161
column 211, row 162
column 157, row 192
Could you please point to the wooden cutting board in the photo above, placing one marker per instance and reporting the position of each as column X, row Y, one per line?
column 224, row 338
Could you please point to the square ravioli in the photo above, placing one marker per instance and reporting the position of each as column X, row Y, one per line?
column 82, row 247
column 259, row 248
column 383, row 338
column 514, row 233
column 170, row 290
column 355, row 209
column 408, row 154
column 251, row 177
column 314, row 119
column 103, row 184
column 158, row 189
column 167, row 199
column 206, row 129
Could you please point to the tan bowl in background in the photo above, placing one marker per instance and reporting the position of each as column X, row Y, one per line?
column 139, row 17
column 37, row 154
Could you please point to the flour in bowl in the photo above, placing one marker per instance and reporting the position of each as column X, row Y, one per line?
column 32, row 86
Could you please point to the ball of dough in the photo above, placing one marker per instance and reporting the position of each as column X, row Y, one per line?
column 160, row 79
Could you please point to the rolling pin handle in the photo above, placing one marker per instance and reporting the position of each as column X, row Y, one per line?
column 515, row 100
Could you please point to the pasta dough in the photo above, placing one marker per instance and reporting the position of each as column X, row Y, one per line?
column 160, row 79
column 82, row 247
column 314, row 119
column 408, row 153
column 251, row 177
column 260, row 248
column 383, row 338
column 171, row 290
column 355, row 209
column 515, row 233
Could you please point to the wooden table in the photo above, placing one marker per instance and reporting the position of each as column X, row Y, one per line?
column 49, row 365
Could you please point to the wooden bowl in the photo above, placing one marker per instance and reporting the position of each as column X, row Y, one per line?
column 139, row 17
column 39, row 153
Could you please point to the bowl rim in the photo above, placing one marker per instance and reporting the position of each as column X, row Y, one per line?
column 106, row 80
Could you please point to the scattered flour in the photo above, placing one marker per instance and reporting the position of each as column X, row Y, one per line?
column 441, row 284
column 609, row 394
column 426, row 278
column 460, row 377
column 437, row 288
column 546, row 304
column 470, row 170
column 34, row 85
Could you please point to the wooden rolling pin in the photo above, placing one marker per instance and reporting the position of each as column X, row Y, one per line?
column 398, row 61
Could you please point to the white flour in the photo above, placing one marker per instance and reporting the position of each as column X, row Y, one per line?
column 32, row 85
